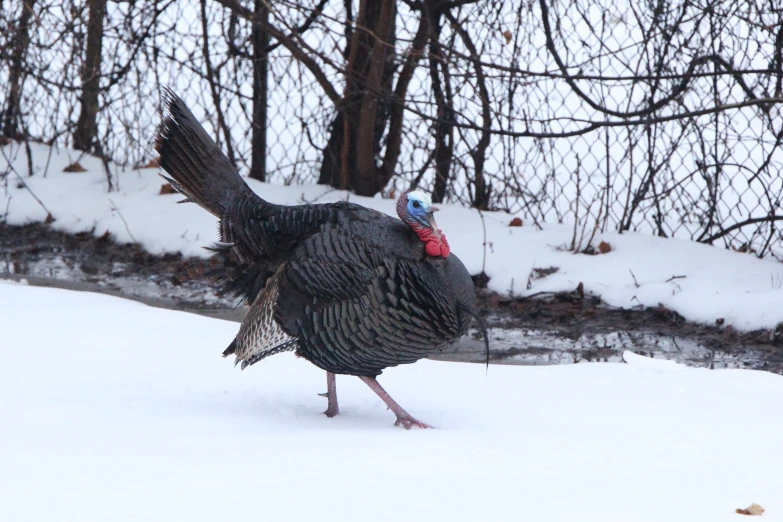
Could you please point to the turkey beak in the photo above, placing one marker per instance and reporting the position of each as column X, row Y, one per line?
column 431, row 218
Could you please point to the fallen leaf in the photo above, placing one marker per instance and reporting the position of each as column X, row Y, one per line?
column 604, row 247
column 753, row 510
column 516, row 222
column 74, row 167
column 508, row 36
column 538, row 273
column 167, row 188
column 154, row 163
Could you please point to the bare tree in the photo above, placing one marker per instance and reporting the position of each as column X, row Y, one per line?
column 350, row 158
column 442, row 92
column 17, row 45
column 260, row 93
column 87, row 125
column 663, row 117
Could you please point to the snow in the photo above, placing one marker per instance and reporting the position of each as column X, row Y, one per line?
column 701, row 282
column 116, row 411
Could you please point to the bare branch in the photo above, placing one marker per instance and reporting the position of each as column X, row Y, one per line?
column 287, row 42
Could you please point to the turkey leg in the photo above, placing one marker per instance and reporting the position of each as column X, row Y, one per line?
column 331, row 393
column 403, row 417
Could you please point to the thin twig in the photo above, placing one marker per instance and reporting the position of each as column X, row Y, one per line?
column 127, row 229
column 597, row 223
column 21, row 180
column 484, row 244
column 7, row 206
column 29, row 156
column 576, row 202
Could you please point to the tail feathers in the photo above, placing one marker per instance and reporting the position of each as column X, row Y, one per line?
column 260, row 335
column 232, row 348
column 234, row 278
column 196, row 165
column 286, row 346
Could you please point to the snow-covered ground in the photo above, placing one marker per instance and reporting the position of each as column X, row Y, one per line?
column 701, row 282
column 115, row 411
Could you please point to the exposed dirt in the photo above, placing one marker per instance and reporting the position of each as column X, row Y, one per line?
column 46, row 257
column 544, row 329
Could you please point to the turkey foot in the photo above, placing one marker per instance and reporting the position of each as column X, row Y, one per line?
column 331, row 393
column 403, row 417
column 408, row 422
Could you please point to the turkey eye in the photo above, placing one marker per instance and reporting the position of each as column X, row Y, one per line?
column 416, row 204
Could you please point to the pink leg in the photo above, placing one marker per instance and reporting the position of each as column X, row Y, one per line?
column 331, row 393
column 403, row 417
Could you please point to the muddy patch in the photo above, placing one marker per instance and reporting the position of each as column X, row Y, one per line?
column 563, row 328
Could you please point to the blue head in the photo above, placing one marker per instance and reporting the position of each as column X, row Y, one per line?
column 415, row 208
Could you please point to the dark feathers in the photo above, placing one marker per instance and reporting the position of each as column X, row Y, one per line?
column 197, row 167
column 351, row 289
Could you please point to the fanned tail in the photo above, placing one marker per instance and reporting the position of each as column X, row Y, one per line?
column 197, row 166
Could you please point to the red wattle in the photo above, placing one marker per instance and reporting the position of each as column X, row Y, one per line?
column 433, row 248
column 435, row 244
column 445, row 249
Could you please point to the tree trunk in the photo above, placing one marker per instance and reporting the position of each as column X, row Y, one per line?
column 444, row 130
column 350, row 157
column 260, row 68
column 481, row 189
column 87, row 125
column 13, row 107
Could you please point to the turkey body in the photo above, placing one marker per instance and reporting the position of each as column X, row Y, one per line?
column 350, row 289
column 360, row 296
column 352, row 286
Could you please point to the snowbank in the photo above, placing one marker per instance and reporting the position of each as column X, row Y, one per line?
column 115, row 411
column 702, row 283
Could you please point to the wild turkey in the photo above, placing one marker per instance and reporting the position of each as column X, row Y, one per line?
column 350, row 289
